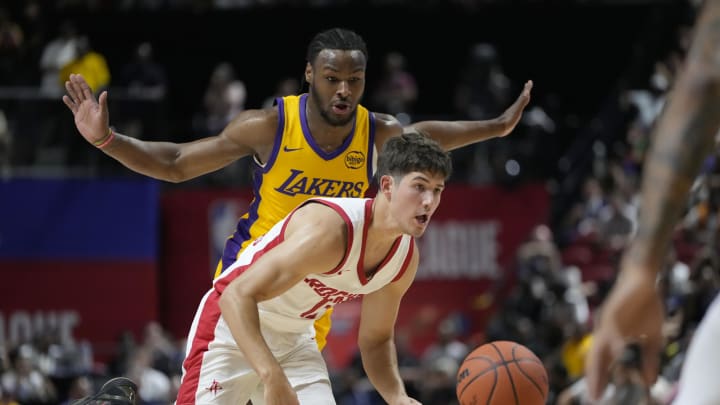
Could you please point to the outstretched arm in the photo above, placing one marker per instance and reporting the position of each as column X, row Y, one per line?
column 376, row 337
column 250, row 132
column 683, row 137
column 455, row 134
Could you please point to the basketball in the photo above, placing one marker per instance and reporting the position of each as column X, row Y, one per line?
column 502, row 373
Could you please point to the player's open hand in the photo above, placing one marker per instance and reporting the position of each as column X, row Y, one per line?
column 510, row 117
column 633, row 312
column 91, row 115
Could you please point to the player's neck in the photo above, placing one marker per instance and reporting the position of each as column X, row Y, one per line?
column 383, row 228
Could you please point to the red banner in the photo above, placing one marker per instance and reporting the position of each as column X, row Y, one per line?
column 93, row 301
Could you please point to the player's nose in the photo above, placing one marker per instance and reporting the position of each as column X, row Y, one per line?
column 343, row 88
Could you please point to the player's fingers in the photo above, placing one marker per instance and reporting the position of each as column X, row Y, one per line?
column 528, row 86
column 77, row 93
column 70, row 88
column 69, row 103
column 103, row 100
column 86, row 90
column 597, row 369
column 524, row 97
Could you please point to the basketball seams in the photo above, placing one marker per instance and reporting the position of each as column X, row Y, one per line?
column 526, row 374
column 492, row 366
column 507, row 369
column 492, row 389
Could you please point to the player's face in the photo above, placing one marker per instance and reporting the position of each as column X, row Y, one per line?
column 415, row 199
column 336, row 84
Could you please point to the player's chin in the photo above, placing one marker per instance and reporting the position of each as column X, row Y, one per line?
column 418, row 228
column 416, row 233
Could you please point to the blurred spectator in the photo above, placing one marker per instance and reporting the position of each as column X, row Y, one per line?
column 574, row 349
column 11, row 46
column 6, row 398
column 124, row 349
column 80, row 387
column 284, row 87
column 145, row 81
column 575, row 295
column 6, row 140
column 88, row 62
column 57, row 53
column 25, row 382
column 160, row 346
column 397, row 91
column 583, row 219
column 153, row 385
column 649, row 101
column 481, row 92
column 34, row 23
column 224, row 98
column 615, row 223
column 143, row 75
column 445, row 355
column 539, row 254
column 483, row 88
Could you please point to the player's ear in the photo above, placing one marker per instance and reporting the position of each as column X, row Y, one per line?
column 308, row 72
column 386, row 184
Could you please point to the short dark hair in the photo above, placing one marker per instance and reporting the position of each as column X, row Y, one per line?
column 413, row 151
column 336, row 38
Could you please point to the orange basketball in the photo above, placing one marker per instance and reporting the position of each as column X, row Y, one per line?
column 502, row 373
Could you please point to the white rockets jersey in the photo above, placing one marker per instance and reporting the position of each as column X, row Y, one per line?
column 298, row 307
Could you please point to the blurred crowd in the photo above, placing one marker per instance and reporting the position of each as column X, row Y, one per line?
column 36, row 58
column 49, row 370
column 561, row 272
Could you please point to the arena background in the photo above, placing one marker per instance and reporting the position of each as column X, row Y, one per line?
column 108, row 251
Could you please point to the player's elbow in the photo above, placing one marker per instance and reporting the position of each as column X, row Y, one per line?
column 232, row 301
column 173, row 175
column 225, row 302
column 231, row 295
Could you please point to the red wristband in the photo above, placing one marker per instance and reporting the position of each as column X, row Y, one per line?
column 107, row 140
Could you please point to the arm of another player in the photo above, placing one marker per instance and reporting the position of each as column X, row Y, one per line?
column 252, row 131
column 315, row 240
column 376, row 337
column 683, row 136
column 456, row 134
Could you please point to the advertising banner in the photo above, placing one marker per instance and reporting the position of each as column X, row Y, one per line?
column 79, row 258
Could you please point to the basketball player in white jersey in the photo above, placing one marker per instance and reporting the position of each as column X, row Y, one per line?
column 253, row 337
column 683, row 136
